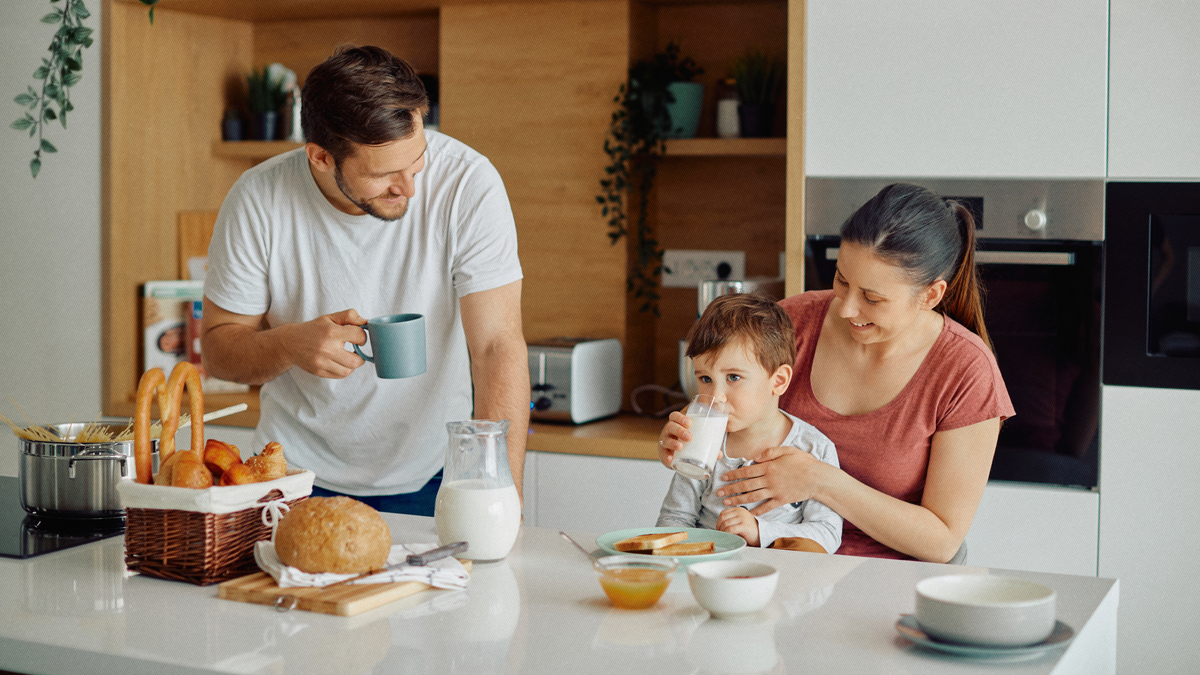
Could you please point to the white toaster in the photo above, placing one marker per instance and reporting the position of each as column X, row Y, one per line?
column 574, row 379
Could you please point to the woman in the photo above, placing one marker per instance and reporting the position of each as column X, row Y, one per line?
column 895, row 366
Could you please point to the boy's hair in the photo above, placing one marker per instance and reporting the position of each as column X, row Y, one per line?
column 758, row 320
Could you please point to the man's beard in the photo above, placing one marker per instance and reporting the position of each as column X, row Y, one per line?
column 383, row 213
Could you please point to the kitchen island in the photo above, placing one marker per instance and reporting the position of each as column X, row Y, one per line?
column 539, row 611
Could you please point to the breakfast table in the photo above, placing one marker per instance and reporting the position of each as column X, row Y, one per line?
column 540, row 610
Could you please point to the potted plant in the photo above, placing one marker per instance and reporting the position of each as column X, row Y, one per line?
column 759, row 79
column 646, row 106
column 268, row 92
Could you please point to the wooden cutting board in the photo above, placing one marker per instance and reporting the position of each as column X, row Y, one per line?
column 344, row 600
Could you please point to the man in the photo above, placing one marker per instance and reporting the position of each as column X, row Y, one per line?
column 373, row 216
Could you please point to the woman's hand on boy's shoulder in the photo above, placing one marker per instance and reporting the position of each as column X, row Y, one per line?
column 671, row 439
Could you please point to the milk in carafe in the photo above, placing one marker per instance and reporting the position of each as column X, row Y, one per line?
column 478, row 502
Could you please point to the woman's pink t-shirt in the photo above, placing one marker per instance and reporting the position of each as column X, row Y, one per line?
column 957, row 385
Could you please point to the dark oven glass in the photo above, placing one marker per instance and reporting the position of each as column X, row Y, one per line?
column 1042, row 308
column 1152, row 285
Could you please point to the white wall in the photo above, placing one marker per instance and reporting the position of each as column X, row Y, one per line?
column 49, row 238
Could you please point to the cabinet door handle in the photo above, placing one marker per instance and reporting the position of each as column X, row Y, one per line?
column 1054, row 258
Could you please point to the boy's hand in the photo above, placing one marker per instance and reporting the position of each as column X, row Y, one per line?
column 739, row 521
column 673, row 436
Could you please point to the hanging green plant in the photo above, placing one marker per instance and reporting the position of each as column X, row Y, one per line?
column 151, row 3
column 59, row 72
column 635, row 143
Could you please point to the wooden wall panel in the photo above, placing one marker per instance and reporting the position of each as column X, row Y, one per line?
column 531, row 86
column 795, row 149
column 301, row 45
column 160, row 120
column 715, row 203
column 723, row 202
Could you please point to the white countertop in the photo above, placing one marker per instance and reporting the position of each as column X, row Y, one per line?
column 539, row 611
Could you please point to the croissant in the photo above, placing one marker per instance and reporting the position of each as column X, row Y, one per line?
column 219, row 456
column 269, row 464
column 239, row 474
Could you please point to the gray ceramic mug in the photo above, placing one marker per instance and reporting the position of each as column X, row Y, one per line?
column 397, row 345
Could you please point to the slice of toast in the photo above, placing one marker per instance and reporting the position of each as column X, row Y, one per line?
column 687, row 548
column 647, row 542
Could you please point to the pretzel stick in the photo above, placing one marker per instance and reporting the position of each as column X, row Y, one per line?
column 184, row 374
column 153, row 381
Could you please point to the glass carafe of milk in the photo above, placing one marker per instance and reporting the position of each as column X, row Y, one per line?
column 478, row 502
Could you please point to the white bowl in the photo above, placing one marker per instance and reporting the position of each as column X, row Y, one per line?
column 732, row 588
column 985, row 610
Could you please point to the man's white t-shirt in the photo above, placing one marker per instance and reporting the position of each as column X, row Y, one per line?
column 281, row 249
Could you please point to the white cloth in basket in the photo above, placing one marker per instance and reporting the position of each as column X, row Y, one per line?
column 445, row 573
column 227, row 499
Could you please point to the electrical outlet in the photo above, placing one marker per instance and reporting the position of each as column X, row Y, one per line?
column 685, row 268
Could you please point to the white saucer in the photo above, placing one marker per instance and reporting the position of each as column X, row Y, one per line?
column 1060, row 637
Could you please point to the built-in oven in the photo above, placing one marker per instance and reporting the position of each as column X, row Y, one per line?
column 1041, row 261
column 1152, row 285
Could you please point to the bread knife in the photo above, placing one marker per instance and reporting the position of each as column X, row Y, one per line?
column 437, row 553
column 414, row 559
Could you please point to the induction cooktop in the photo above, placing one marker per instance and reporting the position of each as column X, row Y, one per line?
column 24, row 536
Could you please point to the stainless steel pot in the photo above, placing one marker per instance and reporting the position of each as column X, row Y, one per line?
column 75, row 480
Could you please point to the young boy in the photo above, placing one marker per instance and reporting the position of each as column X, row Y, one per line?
column 743, row 348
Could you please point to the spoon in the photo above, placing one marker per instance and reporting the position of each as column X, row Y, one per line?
column 216, row 414
column 576, row 544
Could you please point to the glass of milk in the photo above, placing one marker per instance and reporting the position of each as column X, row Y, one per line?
column 698, row 457
column 478, row 502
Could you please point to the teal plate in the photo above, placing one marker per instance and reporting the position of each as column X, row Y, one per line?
column 726, row 544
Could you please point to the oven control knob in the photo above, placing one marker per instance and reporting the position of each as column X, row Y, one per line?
column 1035, row 220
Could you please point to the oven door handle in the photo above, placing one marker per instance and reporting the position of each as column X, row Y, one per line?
column 1049, row 258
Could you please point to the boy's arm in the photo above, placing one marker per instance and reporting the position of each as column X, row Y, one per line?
column 814, row 521
column 681, row 506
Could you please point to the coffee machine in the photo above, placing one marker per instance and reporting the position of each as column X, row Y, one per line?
column 706, row 292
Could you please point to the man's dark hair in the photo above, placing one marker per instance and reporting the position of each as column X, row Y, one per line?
column 360, row 96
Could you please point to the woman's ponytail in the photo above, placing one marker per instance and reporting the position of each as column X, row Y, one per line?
column 963, row 301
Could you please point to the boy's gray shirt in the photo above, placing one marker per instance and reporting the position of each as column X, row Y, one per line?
column 694, row 503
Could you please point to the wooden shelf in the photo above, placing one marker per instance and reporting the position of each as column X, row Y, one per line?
column 701, row 147
column 626, row 436
column 256, row 150
column 293, row 10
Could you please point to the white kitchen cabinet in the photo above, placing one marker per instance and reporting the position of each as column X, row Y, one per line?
column 1149, row 524
column 1154, row 99
column 597, row 494
column 1036, row 528
column 956, row 88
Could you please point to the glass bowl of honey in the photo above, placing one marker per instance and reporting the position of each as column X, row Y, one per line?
column 634, row 581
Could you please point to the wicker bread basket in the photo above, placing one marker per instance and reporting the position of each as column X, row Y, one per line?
column 203, row 536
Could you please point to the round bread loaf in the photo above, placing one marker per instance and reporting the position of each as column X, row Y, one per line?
column 333, row 534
